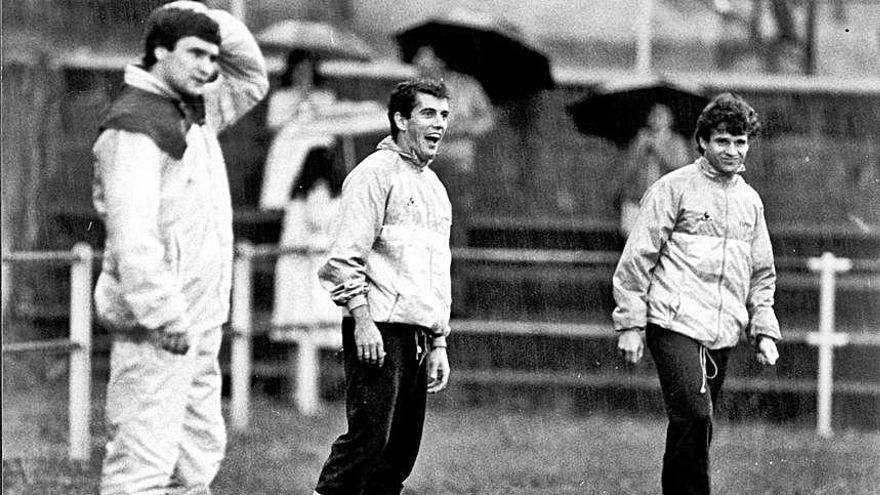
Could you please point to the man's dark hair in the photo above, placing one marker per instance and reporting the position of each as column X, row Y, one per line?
column 404, row 95
column 727, row 112
column 166, row 25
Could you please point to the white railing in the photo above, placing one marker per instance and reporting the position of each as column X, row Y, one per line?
column 826, row 339
column 307, row 401
column 309, row 343
column 78, row 345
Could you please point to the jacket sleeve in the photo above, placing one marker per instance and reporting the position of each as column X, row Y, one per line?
column 762, row 284
column 632, row 277
column 364, row 194
column 243, row 81
column 129, row 169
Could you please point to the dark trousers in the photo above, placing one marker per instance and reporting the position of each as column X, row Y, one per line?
column 385, row 408
column 690, row 378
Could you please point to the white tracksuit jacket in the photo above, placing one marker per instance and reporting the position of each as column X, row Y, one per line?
column 699, row 260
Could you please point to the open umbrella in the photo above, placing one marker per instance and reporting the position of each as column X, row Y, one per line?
column 488, row 48
column 618, row 112
column 324, row 40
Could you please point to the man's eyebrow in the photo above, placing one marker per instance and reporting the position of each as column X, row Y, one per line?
column 203, row 51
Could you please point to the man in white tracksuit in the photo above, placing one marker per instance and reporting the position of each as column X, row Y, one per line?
column 696, row 272
column 161, row 188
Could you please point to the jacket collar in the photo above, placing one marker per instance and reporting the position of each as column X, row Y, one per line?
column 192, row 108
column 709, row 171
column 389, row 144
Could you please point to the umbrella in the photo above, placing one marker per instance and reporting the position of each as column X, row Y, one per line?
column 617, row 113
column 487, row 48
column 324, row 40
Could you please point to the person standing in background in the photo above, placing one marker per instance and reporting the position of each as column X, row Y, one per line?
column 474, row 118
column 307, row 225
column 301, row 96
column 696, row 272
column 161, row 189
column 655, row 151
column 389, row 267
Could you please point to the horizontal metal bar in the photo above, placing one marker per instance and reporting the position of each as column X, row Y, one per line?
column 593, row 330
column 53, row 345
column 40, row 257
column 60, row 257
column 646, row 382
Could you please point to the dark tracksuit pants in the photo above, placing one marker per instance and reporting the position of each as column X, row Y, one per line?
column 690, row 378
column 385, row 408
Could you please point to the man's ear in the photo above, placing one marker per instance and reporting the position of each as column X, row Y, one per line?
column 703, row 144
column 160, row 52
column 400, row 121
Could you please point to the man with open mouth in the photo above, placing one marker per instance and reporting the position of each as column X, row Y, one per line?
column 389, row 269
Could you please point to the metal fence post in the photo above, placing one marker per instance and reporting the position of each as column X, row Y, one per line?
column 241, row 355
column 80, row 387
column 826, row 339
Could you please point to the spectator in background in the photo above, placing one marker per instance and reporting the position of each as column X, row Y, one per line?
column 474, row 118
column 656, row 150
column 301, row 95
column 161, row 188
column 308, row 222
column 304, row 177
column 389, row 267
column 697, row 271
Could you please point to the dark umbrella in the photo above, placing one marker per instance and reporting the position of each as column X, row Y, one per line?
column 487, row 48
column 618, row 113
column 322, row 39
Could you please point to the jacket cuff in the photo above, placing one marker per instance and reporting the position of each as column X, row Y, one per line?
column 754, row 339
column 178, row 326
column 356, row 301
column 439, row 341
column 624, row 329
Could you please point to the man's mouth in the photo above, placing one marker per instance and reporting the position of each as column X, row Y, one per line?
column 433, row 138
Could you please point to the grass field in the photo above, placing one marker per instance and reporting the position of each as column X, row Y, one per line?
column 466, row 450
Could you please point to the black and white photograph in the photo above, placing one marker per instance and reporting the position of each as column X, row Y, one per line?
column 466, row 247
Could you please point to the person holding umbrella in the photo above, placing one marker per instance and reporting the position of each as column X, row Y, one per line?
column 304, row 177
column 656, row 150
column 696, row 271
column 312, row 186
column 301, row 95
column 474, row 118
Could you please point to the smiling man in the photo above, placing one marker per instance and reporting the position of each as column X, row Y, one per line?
column 163, row 293
column 696, row 272
column 389, row 268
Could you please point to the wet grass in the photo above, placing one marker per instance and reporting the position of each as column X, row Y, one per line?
column 466, row 450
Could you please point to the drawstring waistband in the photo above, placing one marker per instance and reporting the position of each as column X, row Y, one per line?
column 421, row 346
column 704, row 354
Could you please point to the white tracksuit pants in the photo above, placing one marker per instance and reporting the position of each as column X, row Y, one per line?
column 165, row 424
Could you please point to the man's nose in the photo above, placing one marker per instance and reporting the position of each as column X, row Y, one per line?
column 209, row 68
